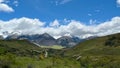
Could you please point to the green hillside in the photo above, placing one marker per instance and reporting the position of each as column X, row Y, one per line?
column 107, row 45
column 23, row 54
column 101, row 52
column 18, row 47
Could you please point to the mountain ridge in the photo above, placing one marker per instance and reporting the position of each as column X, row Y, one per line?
column 47, row 40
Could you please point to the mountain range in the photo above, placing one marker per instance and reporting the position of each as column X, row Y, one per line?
column 47, row 40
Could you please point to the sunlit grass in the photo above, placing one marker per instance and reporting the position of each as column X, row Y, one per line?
column 53, row 47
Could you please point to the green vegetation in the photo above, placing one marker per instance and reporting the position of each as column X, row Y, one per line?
column 23, row 54
column 18, row 47
column 101, row 52
column 100, row 61
column 108, row 45
column 53, row 47
column 11, row 61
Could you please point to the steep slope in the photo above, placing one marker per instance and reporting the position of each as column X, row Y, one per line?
column 47, row 40
column 107, row 45
column 68, row 41
column 1, row 37
column 12, row 36
column 18, row 47
column 41, row 39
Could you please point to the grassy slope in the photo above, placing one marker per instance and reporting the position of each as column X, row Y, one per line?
column 95, row 54
column 103, row 52
column 17, row 54
column 28, row 62
column 19, row 44
column 97, row 46
column 18, row 47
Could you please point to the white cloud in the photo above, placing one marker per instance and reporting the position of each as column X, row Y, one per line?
column 1, row 1
column 4, row 7
column 92, row 22
column 76, row 28
column 89, row 14
column 16, row 3
column 118, row 3
column 66, row 21
column 59, row 2
column 97, row 10
column 24, row 25
column 55, row 23
column 65, row 1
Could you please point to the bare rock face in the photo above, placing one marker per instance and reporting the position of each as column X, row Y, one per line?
column 41, row 39
column 47, row 40
column 13, row 36
column 1, row 37
column 68, row 41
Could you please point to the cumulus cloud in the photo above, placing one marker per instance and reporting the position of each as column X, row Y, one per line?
column 4, row 7
column 55, row 23
column 118, row 3
column 23, row 25
column 35, row 26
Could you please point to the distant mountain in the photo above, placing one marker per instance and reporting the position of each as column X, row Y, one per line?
column 1, row 37
column 44, row 39
column 47, row 40
column 68, row 41
column 12, row 36
column 91, row 37
column 41, row 39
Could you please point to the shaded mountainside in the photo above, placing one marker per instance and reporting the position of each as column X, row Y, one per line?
column 43, row 39
column 1, row 37
column 68, row 41
column 18, row 47
column 47, row 40
column 107, row 45
column 24, row 48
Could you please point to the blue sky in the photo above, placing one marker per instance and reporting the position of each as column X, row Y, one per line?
column 60, row 12
column 48, row 10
